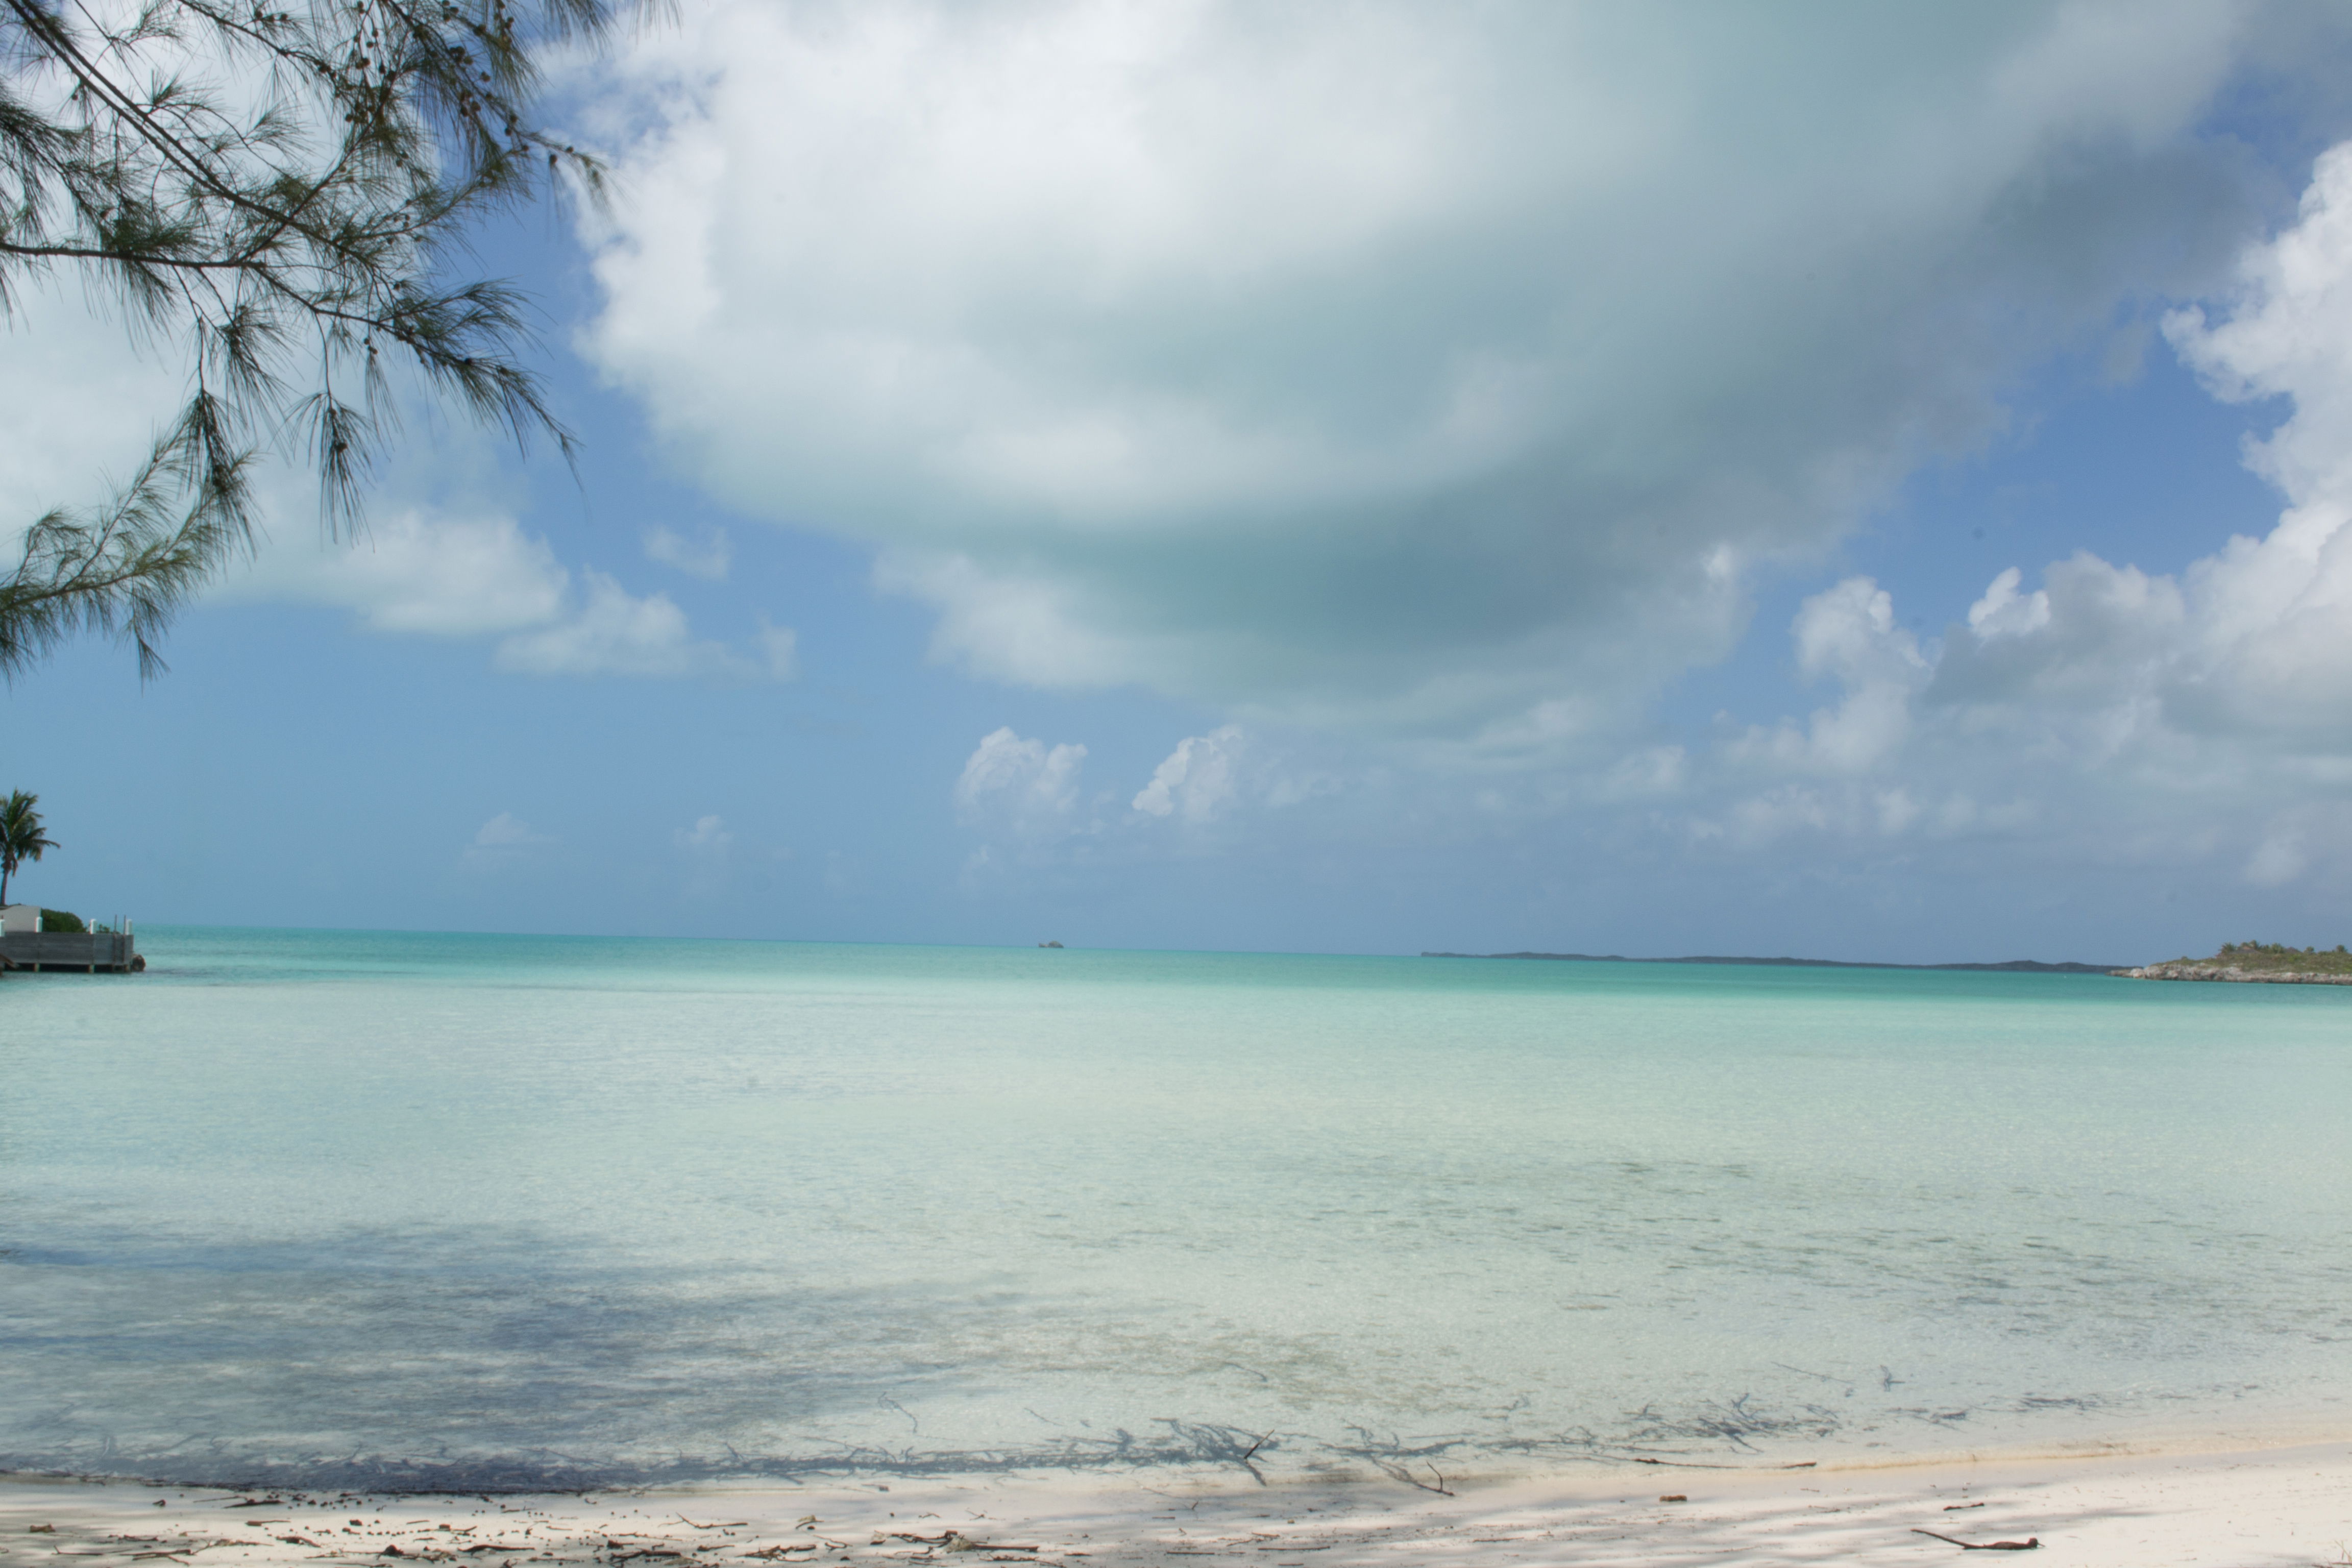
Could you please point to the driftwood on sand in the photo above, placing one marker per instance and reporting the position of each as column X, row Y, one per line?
column 2030, row 1544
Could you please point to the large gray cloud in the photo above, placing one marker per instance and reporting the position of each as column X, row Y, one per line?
column 2089, row 720
column 1435, row 369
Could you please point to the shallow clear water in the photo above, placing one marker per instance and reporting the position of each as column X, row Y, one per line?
column 345, row 1208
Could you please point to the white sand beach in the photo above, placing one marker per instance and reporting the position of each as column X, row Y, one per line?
column 2290, row 1507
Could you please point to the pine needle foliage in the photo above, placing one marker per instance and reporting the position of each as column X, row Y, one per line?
column 280, row 190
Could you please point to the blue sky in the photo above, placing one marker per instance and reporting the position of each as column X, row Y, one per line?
column 1252, row 477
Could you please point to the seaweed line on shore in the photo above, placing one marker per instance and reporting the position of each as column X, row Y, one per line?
column 1699, row 1440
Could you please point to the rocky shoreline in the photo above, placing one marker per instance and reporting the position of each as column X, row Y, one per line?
column 2209, row 970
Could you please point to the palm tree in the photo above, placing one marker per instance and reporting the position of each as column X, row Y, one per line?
column 21, row 839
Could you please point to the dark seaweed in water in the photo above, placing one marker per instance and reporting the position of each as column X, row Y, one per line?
column 1735, row 1421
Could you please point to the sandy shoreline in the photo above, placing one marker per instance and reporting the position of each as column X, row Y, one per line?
column 2244, row 1510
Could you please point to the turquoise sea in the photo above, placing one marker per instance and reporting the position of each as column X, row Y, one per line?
column 467, row 1212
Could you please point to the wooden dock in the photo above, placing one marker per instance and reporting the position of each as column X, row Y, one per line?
column 80, row 952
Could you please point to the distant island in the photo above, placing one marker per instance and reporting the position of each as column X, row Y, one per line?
column 2255, row 963
column 2014, row 966
column 2242, row 962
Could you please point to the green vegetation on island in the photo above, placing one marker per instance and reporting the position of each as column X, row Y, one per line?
column 2260, row 957
column 2256, row 961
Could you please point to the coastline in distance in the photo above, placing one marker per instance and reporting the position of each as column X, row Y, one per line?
column 2014, row 966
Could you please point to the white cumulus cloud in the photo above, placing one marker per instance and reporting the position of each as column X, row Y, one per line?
column 1435, row 369
column 502, row 840
column 612, row 632
column 2202, row 715
column 1018, row 786
column 2255, row 641
column 1848, row 633
column 419, row 571
column 1198, row 779
column 505, row 830
column 415, row 570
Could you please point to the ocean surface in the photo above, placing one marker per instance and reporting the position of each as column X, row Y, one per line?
column 469, row 1212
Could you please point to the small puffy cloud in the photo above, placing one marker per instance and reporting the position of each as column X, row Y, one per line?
column 1429, row 371
column 2088, row 634
column 505, row 830
column 1018, row 786
column 423, row 571
column 1231, row 780
column 1197, row 780
column 503, row 839
column 2002, row 612
column 612, row 632
column 1025, row 804
column 420, row 572
column 1210, row 791
column 709, row 836
column 1848, row 632
column 708, row 557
